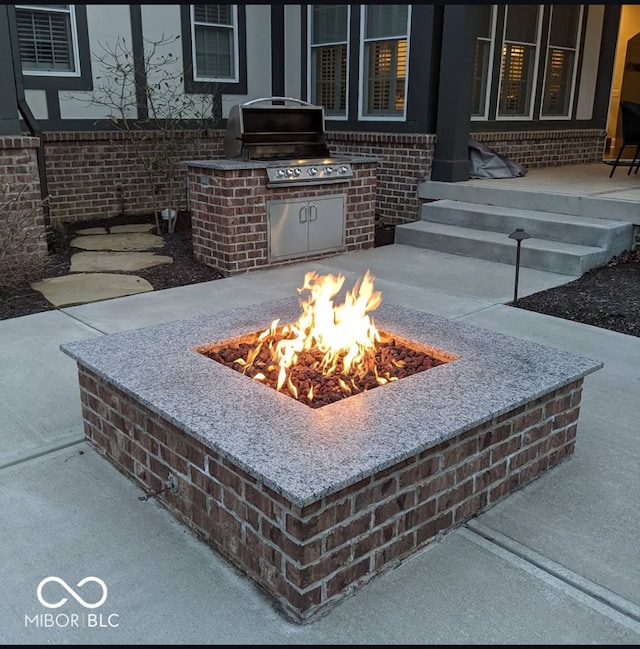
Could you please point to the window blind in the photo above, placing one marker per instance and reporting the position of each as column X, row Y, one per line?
column 44, row 39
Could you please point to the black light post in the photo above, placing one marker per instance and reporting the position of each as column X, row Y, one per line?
column 519, row 235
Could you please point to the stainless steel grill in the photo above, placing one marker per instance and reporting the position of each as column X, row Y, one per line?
column 291, row 139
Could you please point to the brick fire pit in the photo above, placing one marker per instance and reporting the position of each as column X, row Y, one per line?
column 314, row 503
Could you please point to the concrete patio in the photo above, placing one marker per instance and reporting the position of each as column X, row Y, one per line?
column 555, row 563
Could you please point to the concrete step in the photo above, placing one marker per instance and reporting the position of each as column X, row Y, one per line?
column 615, row 236
column 541, row 254
column 531, row 199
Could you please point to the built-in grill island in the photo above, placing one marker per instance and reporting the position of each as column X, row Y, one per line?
column 278, row 195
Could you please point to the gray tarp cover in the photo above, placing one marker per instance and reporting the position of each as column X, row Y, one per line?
column 487, row 163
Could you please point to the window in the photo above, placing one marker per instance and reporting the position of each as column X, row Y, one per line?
column 519, row 60
column 482, row 63
column 47, row 39
column 215, row 42
column 561, row 60
column 384, row 60
column 329, row 39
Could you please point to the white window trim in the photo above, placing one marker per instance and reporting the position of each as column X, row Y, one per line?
column 536, row 63
column 236, row 48
column 492, row 49
column 381, row 118
column 74, row 44
column 576, row 50
column 337, row 118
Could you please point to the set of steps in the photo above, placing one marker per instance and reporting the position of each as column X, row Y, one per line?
column 560, row 243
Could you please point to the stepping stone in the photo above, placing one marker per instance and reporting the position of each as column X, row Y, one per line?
column 69, row 290
column 132, row 227
column 122, row 241
column 92, row 231
column 100, row 261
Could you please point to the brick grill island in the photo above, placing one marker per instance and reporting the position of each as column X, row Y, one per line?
column 314, row 503
column 229, row 200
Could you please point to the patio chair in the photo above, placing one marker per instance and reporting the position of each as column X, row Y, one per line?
column 630, row 114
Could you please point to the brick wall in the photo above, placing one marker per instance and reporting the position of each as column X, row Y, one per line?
column 18, row 169
column 404, row 161
column 308, row 558
column 229, row 215
column 547, row 148
column 97, row 175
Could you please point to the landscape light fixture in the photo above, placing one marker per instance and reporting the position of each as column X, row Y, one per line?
column 519, row 235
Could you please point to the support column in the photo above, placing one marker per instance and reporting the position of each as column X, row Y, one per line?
column 277, row 50
column 451, row 159
column 9, row 116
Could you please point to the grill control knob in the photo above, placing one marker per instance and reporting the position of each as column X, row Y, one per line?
column 343, row 170
column 290, row 173
column 328, row 171
column 280, row 173
column 313, row 171
column 297, row 172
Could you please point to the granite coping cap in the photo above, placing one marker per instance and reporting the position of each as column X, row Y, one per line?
column 231, row 164
column 305, row 453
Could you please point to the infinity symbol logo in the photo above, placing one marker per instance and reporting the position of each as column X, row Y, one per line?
column 71, row 592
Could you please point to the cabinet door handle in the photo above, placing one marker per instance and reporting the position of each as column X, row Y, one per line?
column 302, row 214
column 313, row 212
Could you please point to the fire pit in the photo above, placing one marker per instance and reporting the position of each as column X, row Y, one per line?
column 313, row 503
column 331, row 351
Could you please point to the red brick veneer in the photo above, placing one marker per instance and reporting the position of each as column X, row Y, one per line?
column 405, row 158
column 535, row 149
column 229, row 214
column 96, row 174
column 19, row 171
column 308, row 558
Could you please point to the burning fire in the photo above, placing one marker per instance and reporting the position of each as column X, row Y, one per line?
column 335, row 340
column 331, row 352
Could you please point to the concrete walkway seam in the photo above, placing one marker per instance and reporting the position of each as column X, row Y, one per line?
column 585, row 591
column 48, row 451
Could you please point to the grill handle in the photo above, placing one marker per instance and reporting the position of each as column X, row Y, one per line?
column 272, row 99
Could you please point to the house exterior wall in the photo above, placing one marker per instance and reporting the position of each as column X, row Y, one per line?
column 547, row 148
column 92, row 173
column 61, row 109
column 293, row 51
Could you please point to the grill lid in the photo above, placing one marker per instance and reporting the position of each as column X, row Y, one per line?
column 262, row 130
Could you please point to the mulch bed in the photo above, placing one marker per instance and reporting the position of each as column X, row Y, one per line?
column 607, row 297
column 23, row 300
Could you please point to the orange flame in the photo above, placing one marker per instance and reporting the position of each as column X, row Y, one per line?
column 345, row 335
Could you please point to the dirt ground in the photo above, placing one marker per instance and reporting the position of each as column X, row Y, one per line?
column 607, row 297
